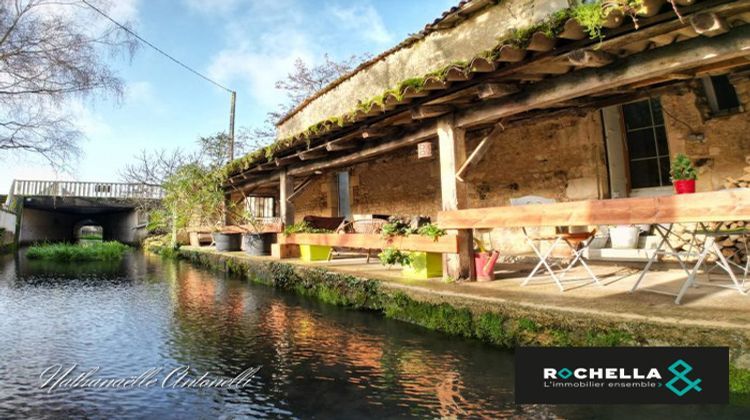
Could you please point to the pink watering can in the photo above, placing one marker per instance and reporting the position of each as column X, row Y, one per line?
column 485, row 265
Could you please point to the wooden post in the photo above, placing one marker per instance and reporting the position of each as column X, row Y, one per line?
column 286, row 208
column 452, row 144
column 232, row 102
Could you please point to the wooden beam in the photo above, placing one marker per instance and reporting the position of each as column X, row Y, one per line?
column 590, row 58
column 680, row 57
column 415, row 137
column 443, row 244
column 716, row 206
column 315, row 153
column 708, row 24
column 496, row 90
column 430, row 111
column 338, row 145
column 286, row 207
column 452, row 145
column 375, row 132
column 301, row 187
column 283, row 161
column 479, row 152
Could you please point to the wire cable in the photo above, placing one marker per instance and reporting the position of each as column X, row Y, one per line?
column 159, row 50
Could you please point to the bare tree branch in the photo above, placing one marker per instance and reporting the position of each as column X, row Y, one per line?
column 52, row 51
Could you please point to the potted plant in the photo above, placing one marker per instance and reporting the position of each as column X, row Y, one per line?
column 415, row 264
column 683, row 174
column 309, row 253
column 484, row 261
column 255, row 242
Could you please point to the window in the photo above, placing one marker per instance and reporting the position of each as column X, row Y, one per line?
column 648, row 151
column 721, row 96
column 260, row 207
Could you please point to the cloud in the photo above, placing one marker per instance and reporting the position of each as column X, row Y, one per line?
column 212, row 7
column 262, row 46
column 364, row 20
column 89, row 123
column 260, row 68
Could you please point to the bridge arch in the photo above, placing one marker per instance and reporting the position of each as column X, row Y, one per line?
column 55, row 211
column 88, row 222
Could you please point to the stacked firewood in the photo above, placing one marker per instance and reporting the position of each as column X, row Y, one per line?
column 741, row 182
column 735, row 247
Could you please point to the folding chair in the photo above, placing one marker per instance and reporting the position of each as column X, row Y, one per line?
column 576, row 241
column 700, row 253
column 710, row 247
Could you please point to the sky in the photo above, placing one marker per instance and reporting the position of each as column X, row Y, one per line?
column 244, row 44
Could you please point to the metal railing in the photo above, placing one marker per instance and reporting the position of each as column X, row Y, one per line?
column 85, row 189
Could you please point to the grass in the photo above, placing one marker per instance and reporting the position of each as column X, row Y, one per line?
column 104, row 251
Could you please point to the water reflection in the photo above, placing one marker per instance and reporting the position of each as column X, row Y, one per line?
column 316, row 360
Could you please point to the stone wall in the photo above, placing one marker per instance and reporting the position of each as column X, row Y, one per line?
column 721, row 153
column 476, row 34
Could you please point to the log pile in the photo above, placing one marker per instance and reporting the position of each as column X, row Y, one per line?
column 735, row 247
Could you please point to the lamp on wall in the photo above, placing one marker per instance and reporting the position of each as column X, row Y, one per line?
column 424, row 150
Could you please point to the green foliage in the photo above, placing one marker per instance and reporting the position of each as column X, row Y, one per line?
column 304, row 227
column 397, row 226
column 392, row 256
column 431, row 230
column 192, row 196
column 525, row 324
column 592, row 17
column 682, row 168
column 489, row 327
column 440, row 317
column 104, row 251
column 739, row 386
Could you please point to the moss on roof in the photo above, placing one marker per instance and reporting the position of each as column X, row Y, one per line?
column 592, row 16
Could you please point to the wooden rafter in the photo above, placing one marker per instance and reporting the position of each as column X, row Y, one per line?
column 670, row 59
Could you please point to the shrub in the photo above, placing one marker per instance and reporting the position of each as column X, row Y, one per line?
column 104, row 251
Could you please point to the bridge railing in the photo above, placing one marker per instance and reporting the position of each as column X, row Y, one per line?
column 85, row 189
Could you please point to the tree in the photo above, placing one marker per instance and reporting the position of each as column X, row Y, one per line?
column 52, row 51
column 301, row 83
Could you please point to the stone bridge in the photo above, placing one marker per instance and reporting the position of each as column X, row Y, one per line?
column 55, row 211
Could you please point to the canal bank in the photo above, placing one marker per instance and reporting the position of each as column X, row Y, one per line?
column 475, row 313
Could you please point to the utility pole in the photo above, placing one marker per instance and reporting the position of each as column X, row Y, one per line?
column 233, row 100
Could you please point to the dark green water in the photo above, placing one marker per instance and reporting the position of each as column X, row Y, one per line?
column 315, row 361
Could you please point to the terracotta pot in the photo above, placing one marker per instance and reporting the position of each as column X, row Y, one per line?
column 684, row 186
column 485, row 265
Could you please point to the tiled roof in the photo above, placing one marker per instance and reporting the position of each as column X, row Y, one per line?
column 447, row 19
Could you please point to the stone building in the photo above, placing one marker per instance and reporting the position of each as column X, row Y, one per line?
column 517, row 98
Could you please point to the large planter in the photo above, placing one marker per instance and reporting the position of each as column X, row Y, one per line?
column 257, row 244
column 424, row 265
column 684, row 186
column 227, row 242
column 624, row 237
column 484, row 263
column 314, row 252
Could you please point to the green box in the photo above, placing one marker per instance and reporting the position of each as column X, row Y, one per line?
column 314, row 252
column 424, row 265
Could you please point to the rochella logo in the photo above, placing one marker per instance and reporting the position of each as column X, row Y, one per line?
column 680, row 369
column 601, row 373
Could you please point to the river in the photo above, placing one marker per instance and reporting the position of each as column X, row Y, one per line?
column 148, row 318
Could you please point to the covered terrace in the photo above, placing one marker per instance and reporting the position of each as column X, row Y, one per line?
column 543, row 112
